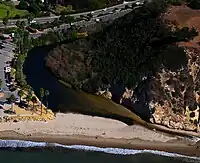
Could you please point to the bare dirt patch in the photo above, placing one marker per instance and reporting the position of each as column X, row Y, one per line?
column 183, row 16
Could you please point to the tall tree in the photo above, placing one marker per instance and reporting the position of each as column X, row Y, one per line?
column 11, row 99
column 41, row 97
column 20, row 93
column 18, row 23
column 46, row 94
column 34, row 101
column 20, row 35
column 8, row 13
column 5, row 21
column 28, row 98
column 30, row 18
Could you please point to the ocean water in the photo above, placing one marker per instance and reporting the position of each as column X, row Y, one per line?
column 15, row 151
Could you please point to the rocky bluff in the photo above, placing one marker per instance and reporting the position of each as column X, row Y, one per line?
column 137, row 61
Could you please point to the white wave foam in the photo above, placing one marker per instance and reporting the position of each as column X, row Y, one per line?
column 118, row 151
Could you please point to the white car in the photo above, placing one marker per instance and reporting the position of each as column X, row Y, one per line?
column 92, row 12
column 8, row 69
column 125, row 2
column 105, row 9
column 33, row 21
column 97, row 20
column 9, row 84
column 17, row 100
column 138, row 3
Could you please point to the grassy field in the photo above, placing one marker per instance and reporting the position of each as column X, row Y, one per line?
column 12, row 11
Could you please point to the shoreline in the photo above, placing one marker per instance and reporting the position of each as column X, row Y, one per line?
column 77, row 129
column 174, row 147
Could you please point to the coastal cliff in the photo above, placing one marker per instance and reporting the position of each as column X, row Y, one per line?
column 143, row 61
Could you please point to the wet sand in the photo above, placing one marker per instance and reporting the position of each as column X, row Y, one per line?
column 74, row 129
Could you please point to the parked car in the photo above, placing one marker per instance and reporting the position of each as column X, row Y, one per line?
column 139, row 3
column 111, row 12
column 116, row 10
column 90, row 15
column 12, row 89
column 125, row 2
column 8, row 62
column 9, row 112
column 9, row 84
column 17, row 100
column 22, row 104
column 97, row 20
column 33, row 21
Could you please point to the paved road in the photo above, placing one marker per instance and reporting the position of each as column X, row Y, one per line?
column 104, row 18
column 11, row 23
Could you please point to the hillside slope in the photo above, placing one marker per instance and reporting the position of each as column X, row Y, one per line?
column 137, row 62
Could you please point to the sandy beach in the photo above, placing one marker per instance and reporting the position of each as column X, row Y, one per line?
column 96, row 131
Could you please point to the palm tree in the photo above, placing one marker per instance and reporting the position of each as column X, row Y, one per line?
column 34, row 100
column 30, row 18
column 8, row 13
column 20, row 93
column 18, row 23
column 41, row 97
column 11, row 99
column 5, row 21
column 28, row 98
column 29, row 89
column 46, row 94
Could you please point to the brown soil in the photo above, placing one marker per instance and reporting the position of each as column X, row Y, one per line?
column 183, row 16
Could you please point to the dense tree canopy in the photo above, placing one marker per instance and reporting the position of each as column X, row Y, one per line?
column 134, row 46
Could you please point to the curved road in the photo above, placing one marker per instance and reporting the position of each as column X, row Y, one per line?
column 91, row 22
column 41, row 20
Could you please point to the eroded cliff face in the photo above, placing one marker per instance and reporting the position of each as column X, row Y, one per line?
column 167, row 94
column 173, row 97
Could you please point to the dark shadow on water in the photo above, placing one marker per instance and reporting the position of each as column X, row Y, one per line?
column 55, row 155
column 61, row 98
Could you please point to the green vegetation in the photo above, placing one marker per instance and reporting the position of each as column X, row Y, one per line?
column 41, row 97
column 24, row 44
column 20, row 93
column 37, row 8
column 62, row 10
column 96, row 4
column 6, row 7
column 135, row 46
column 194, row 4
column 46, row 95
column 11, row 99
column 131, row 48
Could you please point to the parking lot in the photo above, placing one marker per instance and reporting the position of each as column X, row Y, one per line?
column 6, row 55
